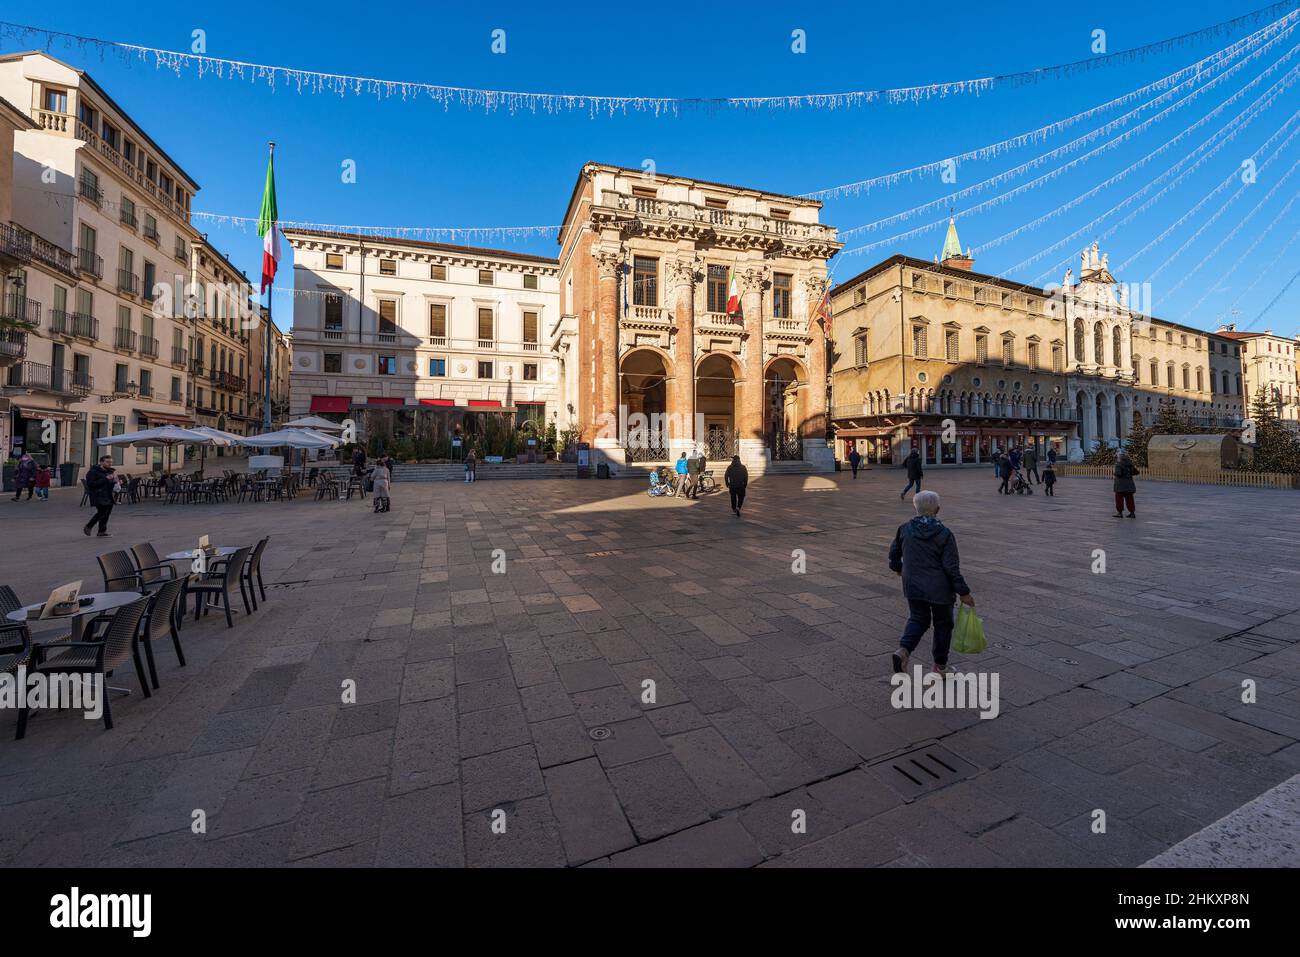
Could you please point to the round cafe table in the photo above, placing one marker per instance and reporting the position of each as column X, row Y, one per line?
column 100, row 602
column 222, row 551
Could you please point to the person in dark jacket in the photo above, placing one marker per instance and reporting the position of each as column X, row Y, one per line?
column 855, row 459
column 736, row 478
column 1030, row 462
column 1051, row 455
column 1049, row 480
column 914, row 472
column 924, row 554
column 1125, row 470
column 359, row 462
column 25, row 476
column 100, row 483
column 694, row 468
column 1004, row 472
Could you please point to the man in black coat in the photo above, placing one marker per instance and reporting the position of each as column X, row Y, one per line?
column 736, row 479
column 924, row 554
column 914, row 472
column 99, row 486
column 855, row 460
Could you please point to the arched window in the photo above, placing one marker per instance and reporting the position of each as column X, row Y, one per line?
column 1079, row 354
column 1098, row 345
column 1116, row 349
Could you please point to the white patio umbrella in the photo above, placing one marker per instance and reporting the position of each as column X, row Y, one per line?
column 216, row 437
column 165, row 436
column 314, row 422
column 291, row 439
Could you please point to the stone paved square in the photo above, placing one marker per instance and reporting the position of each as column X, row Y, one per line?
column 522, row 697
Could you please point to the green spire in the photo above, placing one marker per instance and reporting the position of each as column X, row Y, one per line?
column 951, row 244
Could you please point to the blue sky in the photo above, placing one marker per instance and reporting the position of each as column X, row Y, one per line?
column 419, row 164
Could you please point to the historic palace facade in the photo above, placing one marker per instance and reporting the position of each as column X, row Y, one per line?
column 652, row 360
column 958, row 363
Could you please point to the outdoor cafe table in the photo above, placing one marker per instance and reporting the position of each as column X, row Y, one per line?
column 100, row 603
column 222, row 551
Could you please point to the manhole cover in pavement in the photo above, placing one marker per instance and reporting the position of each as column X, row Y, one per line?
column 923, row 770
column 600, row 734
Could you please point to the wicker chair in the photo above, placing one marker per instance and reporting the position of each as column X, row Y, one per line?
column 222, row 575
column 159, row 622
column 103, row 657
column 120, row 572
column 154, row 572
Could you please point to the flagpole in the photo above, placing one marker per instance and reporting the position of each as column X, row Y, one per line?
column 266, row 383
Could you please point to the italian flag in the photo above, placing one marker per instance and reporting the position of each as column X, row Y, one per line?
column 733, row 294
column 266, row 226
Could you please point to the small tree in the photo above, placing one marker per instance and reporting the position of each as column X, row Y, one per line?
column 1276, row 448
column 1138, row 437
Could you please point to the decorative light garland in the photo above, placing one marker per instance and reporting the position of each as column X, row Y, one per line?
column 314, row 81
column 1232, row 128
column 1255, row 110
column 1242, row 258
column 424, row 233
column 1069, row 147
column 1266, row 271
column 1043, row 132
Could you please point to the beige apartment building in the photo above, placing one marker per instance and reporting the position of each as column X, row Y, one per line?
column 652, row 360
column 403, row 325
column 281, row 366
column 958, row 363
column 1268, row 364
column 102, row 213
column 220, row 341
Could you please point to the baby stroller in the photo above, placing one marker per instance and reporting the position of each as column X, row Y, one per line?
column 659, row 485
column 1019, row 485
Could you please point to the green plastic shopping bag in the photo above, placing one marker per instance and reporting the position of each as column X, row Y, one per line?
column 968, row 633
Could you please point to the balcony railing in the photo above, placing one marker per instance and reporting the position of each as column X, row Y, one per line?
column 486, row 343
column 530, row 347
column 85, row 326
column 43, row 250
column 15, row 243
column 123, row 388
column 181, row 251
column 79, row 383
column 124, row 339
column 52, row 121
column 127, row 217
column 386, row 337
column 13, row 344
column 626, row 206
column 160, row 197
column 145, row 391
column 88, row 190
column 87, row 261
column 179, row 356
column 42, row 378
column 18, row 308
column 439, row 341
column 149, row 347
column 128, row 282
column 151, row 233
column 334, row 334
column 229, row 381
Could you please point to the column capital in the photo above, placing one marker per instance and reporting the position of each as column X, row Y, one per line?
column 816, row 286
column 608, row 262
column 753, row 278
column 683, row 270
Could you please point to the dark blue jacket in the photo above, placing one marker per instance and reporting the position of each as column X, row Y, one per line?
column 926, row 553
column 913, row 465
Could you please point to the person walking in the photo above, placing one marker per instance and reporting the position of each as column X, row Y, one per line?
column 381, row 477
column 855, row 459
column 100, row 485
column 42, row 483
column 1004, row 473
column 997, row 468
column 694, row 469
column 682, row 474
column 1030, row 462
column 1014, row 456
column 24, row 476
column 1125, row 487
column 1051, row 455
column 736, row 478
column 914, row 472
column 1049, row 480
column 471, row 466
column 359, row 462
column 924, row 555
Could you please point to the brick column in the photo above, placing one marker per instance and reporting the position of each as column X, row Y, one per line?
column 682, row 274
column 753, row 397
column 605, row 390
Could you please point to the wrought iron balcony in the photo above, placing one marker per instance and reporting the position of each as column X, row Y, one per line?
column 149, row 347
column 15, row 244
column 39, row 377
column 179, row 356
column 128, row 282
column 85, row 326
column 127, row 217
column 18, row 308
column 88, row 190
column 151, row 233
column 87, row 261
column 124, row 339
column 13, row 344
column 145, row 392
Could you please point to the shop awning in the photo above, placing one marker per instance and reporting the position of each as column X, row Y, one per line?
column 330, row 403
column 384, row 400
column 59, row 415
column 441, row 402
column 184, row 421
column 485, row 403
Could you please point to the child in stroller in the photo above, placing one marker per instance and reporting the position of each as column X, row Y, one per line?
column 660, row 484
column 1019, row 485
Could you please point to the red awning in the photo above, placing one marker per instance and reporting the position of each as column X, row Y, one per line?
column 329, row 403
column 382, row 400
column 485, row 403
column 437, row 402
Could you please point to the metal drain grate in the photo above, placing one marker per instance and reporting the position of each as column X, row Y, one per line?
column 1258, row 643
column 924, row 770
column 600, row 734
